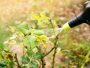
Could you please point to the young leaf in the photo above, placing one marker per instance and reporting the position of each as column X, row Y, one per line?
column 36, row 17
column 25, row 60
column 35, row 50
column 33, row 64
column 24, row 28
column 43, row 37
column 42, row 14
column 38, row 32
column 38, row 55
column 30, row 41
column 6, row 48
column 29, row 52
column 11, row 64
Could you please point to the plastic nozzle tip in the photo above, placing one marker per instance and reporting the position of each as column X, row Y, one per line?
column 66, row 26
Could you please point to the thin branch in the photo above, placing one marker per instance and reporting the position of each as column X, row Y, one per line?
column 55, row 51
column 42, row 58
column 55, row 47
column 19, row 66
column 49, row 52
column 54, row 57
column 43, row 64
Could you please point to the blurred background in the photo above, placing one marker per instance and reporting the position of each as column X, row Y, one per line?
column 74, row 43
column 13, row 11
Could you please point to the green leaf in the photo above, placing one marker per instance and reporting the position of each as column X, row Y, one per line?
column 30, row 41
column 6, row 48
column 24, row 28
column 38, row 55
column 25, row 60
column 1, row 46
column 11, row 64
column 24, row 67
column 33, row 64
column 38, row 32
column 34, row 50
column 3, row 63
column 29, row 52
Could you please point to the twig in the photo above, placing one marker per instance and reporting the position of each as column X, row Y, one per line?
column 49, row 52
column 54, row 57
column 55, row 47
column 54, row 51
column 43, row 64
column 19, row 66
column 42, row 58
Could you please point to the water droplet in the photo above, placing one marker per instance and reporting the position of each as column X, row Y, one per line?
column 53, row 32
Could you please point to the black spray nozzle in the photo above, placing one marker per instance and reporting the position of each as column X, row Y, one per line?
column 83, row 17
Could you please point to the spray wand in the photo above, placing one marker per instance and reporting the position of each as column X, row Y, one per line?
column 83, row 17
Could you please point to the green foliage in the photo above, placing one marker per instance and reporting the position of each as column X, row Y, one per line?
column 2, row 47
column 38, row 55
column 30, row 41
column 24, row 28
column 25, row 60
column 38, row 32
column 29, row 52
column 33, row 64
column 11, row 64
column 30, row 38
column 5, row 48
